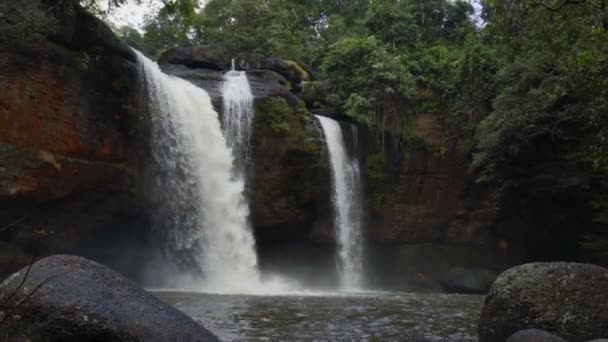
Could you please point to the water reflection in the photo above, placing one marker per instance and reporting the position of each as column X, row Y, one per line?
column 360, row 317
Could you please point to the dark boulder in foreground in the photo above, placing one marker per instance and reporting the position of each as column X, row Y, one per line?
column 566, row 299
column 69, row 298
column 534, row 335
column 468, row 280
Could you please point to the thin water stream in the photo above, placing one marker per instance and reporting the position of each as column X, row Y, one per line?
column 237, row 115
column 347, row 202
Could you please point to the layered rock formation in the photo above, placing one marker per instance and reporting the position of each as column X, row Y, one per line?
column 67, row 124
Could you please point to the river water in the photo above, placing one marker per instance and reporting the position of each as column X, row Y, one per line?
column 353, row 317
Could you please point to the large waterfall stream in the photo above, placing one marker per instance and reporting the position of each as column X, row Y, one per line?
column 347, row 206
column 201, row 206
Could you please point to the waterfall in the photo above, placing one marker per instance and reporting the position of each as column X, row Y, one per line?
column 201, row 210
column 237, row 114
column 347, row 202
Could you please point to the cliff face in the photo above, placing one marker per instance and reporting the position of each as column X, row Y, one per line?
column 288, row 180
column 428, row 208
column 71, row 136
column 66, row 128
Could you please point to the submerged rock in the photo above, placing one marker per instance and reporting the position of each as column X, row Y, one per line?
column 568, row 299
column 468, row 280
column 71, row 298
column 534, row 335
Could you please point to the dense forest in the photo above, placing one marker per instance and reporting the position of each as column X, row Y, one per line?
column 524, row 75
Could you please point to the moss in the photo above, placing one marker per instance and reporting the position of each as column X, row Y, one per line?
column 410, row 132
column 304, row 76
column 81, row 60
column 14, row 159
column 286, row 121
column 272, row 112
column 280, row 127
column 374, row 166
column 465, row 144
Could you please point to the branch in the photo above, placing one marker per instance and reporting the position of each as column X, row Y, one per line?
column 55, row 6
column 557, row 7
column 27, row 272
column 29, row 295
column 12, row 224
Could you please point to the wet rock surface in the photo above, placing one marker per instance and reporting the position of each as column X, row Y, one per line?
column 534, row 335
column 567, row 299
column 214, row 57
column 68, row 132
column 69, row 298
column 264, row 83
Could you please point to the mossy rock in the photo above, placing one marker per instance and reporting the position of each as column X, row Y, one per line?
column 276, row 118
column 567, row 299
column 290, row 170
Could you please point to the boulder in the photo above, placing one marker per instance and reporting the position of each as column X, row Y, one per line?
column 534, row 335
column 71, row 298
column 211, row 56
column 568, row 299
column 291, row 70
column 468, row 280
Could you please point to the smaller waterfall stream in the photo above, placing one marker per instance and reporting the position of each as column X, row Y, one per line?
column 237, row 115
column 347, row 202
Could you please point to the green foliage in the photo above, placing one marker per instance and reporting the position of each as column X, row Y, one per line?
column 101, row 8
column 550, row 84
column 371, row 82
column 262, row 26
column 273, row 112
column 551, row 89
column 374, row 166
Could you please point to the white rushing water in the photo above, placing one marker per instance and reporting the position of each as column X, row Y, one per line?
column 237, row 114
column 200, row 204
column 347, row 202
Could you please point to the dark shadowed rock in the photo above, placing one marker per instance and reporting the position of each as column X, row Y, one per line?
column 315, row 92
column 534, row 335
column 289, row 181
column 214, row 57
column 264, row 83
column 68, row 130
column 291, row 70
column 468, row 280
column 568, row 299
column 69, row 298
